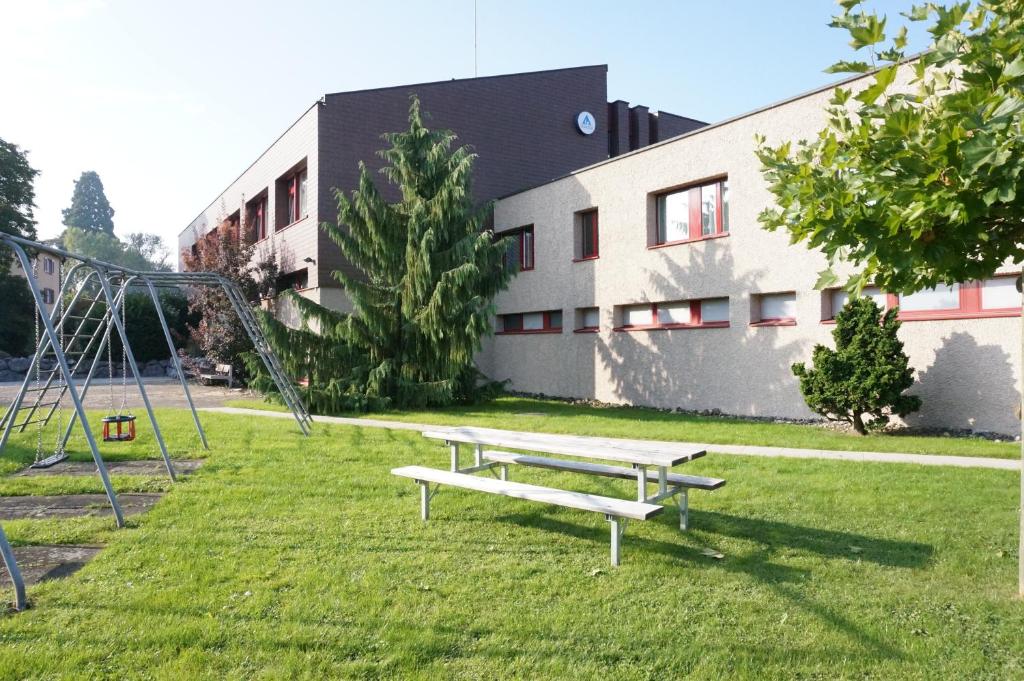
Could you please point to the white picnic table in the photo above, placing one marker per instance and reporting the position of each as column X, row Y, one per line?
column 650, row 463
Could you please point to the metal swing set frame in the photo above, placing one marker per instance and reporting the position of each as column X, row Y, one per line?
column 76, row 342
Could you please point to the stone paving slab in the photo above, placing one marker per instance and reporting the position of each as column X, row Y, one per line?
column 41, row 563
column 72, row 505
column 149, row 467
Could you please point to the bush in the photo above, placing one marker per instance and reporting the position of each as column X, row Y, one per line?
column 143, row 324
column 866, row 375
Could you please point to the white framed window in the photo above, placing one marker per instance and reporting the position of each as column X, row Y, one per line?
column 588, row 318
column 774, row 307
column 1000, row 293
column 714, row 310
column 533, row 321
column 674, row 313
column 839, row 297
column 673, row 217
column 637, row 315
column 942, row 297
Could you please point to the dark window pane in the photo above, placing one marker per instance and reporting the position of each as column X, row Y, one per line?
column 588, row 228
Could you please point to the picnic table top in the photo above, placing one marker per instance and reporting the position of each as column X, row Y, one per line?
column 640, row 452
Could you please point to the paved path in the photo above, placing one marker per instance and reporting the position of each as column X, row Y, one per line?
column 746, row 450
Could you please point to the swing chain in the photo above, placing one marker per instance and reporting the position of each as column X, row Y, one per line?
column 39, row 361
column 110, row 355
column 124, row 351
column 61, row 383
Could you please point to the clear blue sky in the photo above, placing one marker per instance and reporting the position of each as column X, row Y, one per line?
column 170, row 101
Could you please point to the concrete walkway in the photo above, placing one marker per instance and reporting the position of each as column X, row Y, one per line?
column 745, row 450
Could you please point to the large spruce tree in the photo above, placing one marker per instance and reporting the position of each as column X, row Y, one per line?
column 421, row 296
column 89, row 211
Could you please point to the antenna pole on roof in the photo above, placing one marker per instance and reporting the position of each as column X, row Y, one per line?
column 474, row 39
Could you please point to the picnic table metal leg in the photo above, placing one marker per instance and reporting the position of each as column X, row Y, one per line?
column 455, row 456
column 684, row 510
column 618, row 526
column 504, row 472
column 424, row 500
column 479, row 455
column 662, row 480
column 641, row 483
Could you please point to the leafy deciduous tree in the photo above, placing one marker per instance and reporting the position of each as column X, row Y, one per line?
column 140, row 252
column 17, row 197
column 421, row 299
column 923, row 184
column 219, row 333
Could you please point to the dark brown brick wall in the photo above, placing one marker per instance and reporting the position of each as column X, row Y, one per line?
column 523, row 127
column 667, row 125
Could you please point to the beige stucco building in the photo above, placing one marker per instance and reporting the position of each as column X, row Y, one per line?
column 47, row 275
column 699, row 308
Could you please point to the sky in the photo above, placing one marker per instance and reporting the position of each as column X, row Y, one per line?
column 170, row 101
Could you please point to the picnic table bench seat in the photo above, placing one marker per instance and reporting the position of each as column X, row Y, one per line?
column 674, row 479
column 609, row 506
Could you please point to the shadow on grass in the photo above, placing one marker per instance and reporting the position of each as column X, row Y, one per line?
column 783, row 580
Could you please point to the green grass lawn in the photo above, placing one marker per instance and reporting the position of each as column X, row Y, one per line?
column 550, row 416
column 292, row 557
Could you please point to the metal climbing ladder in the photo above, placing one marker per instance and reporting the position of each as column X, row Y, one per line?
column 74, row 340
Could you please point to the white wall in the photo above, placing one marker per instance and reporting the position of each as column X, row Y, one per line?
column 969, row 369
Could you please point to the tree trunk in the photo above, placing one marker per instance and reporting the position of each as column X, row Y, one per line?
column 858, row 424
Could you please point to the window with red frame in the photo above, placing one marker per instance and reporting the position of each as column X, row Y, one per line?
column 773, row 309
column 681, row 314
column 258, row 218
column 291, row 197
column 549, row 321
column 995, row 297
column 693, row 213
column 519, row 256
column 588, row 319
column 588, row 235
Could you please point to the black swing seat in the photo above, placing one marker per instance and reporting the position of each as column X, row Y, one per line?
column 51, row 460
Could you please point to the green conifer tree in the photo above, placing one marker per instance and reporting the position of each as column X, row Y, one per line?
column 89, row 210
column 426, row 275
column 866, row 375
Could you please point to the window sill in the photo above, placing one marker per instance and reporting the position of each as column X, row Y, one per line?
column 688, row 241
column 669, row 327
column 774, row 322
column 939, row 315
column 586, row 329
column 288, row 226
column 529, row 332
column 585, row 259
column 947, row 315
